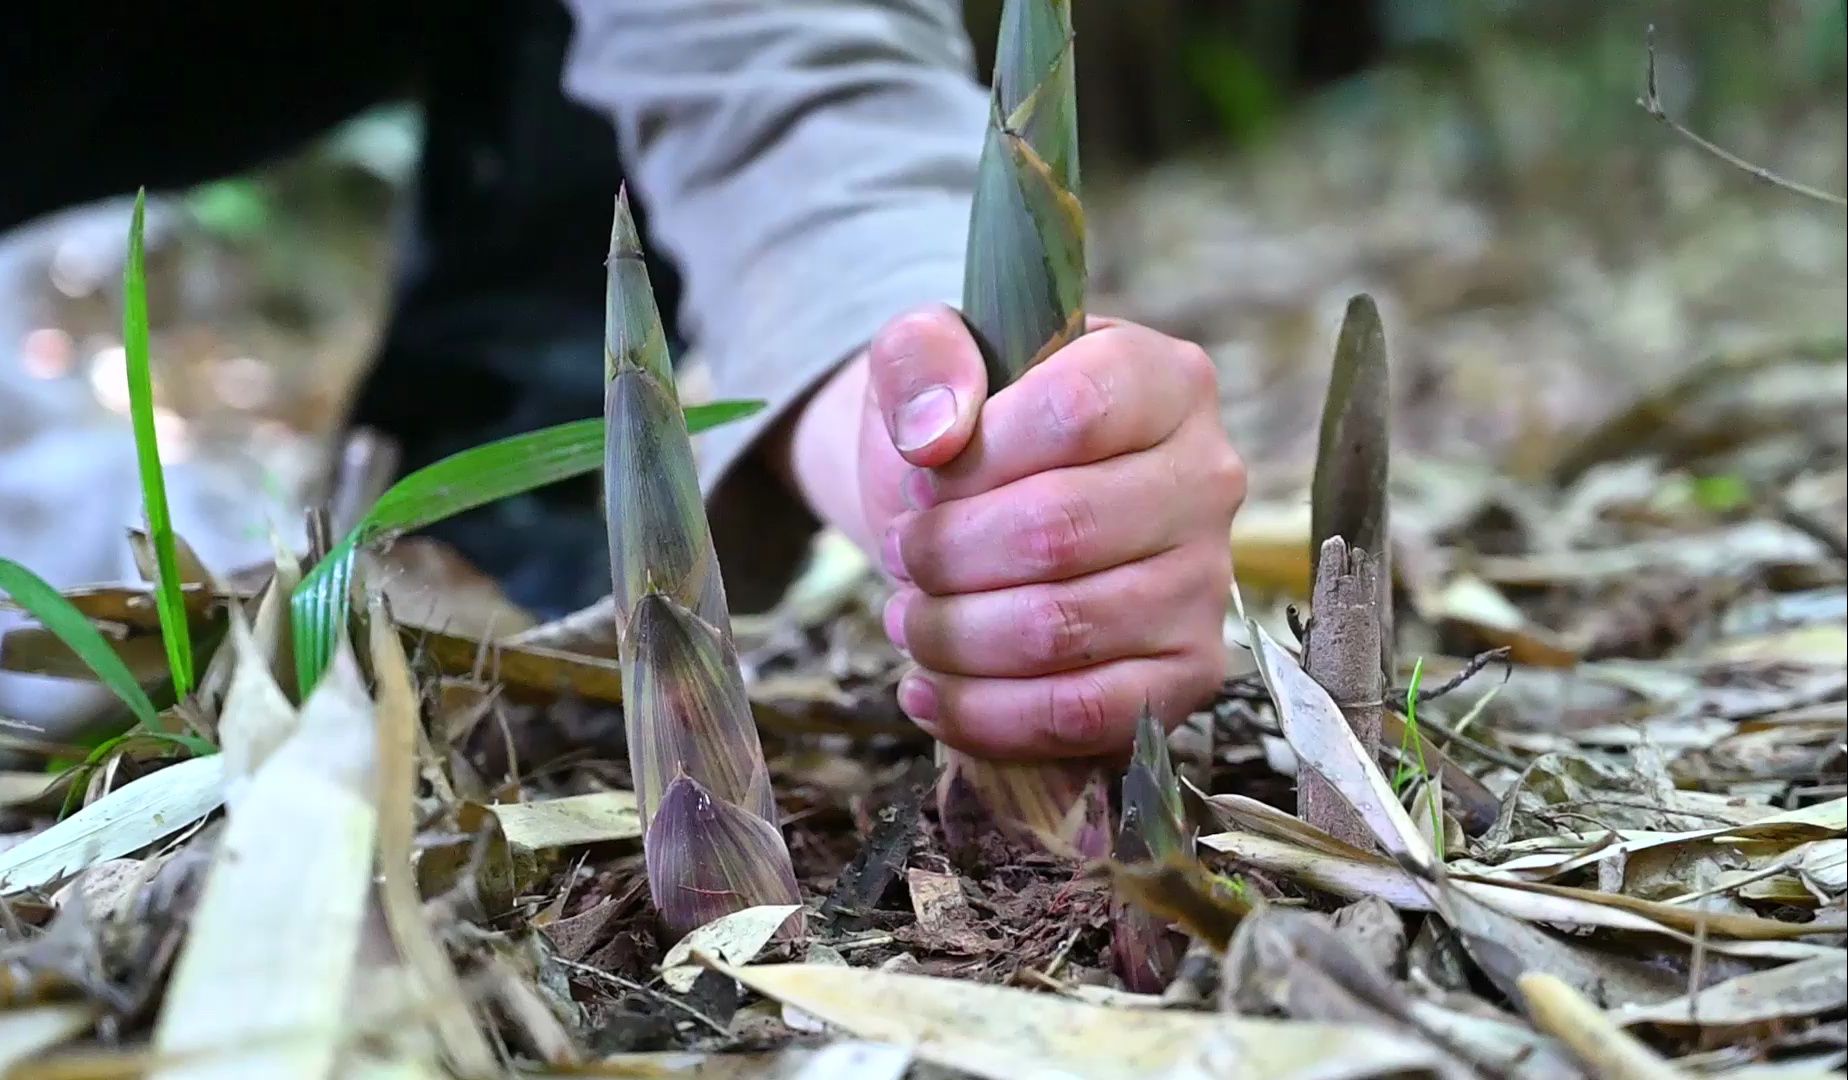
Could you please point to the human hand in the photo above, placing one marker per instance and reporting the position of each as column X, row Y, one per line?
column 1064, row 560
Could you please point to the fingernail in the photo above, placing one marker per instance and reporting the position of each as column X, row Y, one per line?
column 889, row 556
column 918, row 699
column 894, row 619
column 924, row 418
column 919, row 489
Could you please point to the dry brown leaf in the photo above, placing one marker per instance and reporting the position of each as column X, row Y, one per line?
column 1006, row 1034
column 595, row 818
column 1806, row 988
column 126, row 820
column 1607, row 1051
column 405, row 916
column 26, row 1033
column 282, row 905
column 530, row 670
column 257, row 718
column 1352, row 879
column 736, row 939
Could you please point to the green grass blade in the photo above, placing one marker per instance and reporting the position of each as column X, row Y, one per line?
column 463, row 481
column 61, row 617
column 168, row 600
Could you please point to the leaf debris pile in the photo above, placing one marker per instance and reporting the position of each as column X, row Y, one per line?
column 1614, row 844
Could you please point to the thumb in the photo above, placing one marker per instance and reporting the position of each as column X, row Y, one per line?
column 927, row 378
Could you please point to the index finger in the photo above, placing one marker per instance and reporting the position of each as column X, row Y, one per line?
column 1114, row 391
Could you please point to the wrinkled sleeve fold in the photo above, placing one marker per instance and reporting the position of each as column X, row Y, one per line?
column 806, row 163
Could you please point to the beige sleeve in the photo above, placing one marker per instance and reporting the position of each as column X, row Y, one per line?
column 808, row 165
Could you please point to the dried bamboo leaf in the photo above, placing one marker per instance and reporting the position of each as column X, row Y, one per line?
column 1806, row 988
column 596, row 818
column 257, row 718
column 1740, row 935
column 126, row 820
column 1325, row 743
column 282, row 904
column 57, row 614
column 191, row 569
column 842, row 1060
column 1006, row 1034
column 133, row 606
column 23, row 788
column 1606, row 1050
column 1261, row 817
column 35, row 650
column 26, row 1033
column 430, row 970
column 532, row 669
column 1821, row 821
column 736, row 938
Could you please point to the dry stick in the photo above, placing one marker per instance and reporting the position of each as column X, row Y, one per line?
column 1815, row 528
column 1652, row 105
column 631, row 985
column 1476, row 664
column 1343, row 655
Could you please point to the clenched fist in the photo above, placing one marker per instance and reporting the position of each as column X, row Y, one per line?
column 1060, row 549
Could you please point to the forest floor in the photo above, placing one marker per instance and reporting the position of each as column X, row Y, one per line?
column 1615, row 844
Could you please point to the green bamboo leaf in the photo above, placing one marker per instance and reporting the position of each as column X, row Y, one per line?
column 61, row 617
column 167, row 596
column 463, row 481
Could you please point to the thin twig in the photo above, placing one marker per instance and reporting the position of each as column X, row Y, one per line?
column 1476, row 664
column 1815, row 528
column 1480, row 749
column 1652, row 104
column 1770, row 870
column 632, row 985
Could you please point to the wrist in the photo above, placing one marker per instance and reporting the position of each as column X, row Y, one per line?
column 815, row 451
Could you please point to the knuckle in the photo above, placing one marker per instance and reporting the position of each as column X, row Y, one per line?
column 1077, row 404
column 1077, row 712
column 1054, row 628
column 1205, row 672
column 1228, row 475
column 1196, row 365
column 1055, row 533
column 918, row 550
